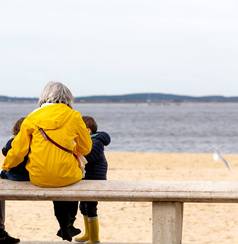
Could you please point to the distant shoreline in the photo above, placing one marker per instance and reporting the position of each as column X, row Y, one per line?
column 135, row 98
column 125, row 102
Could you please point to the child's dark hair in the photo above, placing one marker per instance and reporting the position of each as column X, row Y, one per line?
column 90, row 123
column 17, row 126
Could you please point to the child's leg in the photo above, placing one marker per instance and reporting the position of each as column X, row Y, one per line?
column 5, row 238
column 83, row 210
column 92, row 209
column 93, row 222
column 3, row 174
column 2, row 215
column 18, row 173
column 16, row 177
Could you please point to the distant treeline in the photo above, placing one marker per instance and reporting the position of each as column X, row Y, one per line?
column 134, row 98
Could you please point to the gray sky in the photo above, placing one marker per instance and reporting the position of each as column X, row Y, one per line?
column 119, row 46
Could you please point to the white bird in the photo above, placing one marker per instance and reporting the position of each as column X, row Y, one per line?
column 217, row 156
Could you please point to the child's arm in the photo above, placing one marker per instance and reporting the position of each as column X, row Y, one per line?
column 100, row 140
column 97, row 150
column 7, row 147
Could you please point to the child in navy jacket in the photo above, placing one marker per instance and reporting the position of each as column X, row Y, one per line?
column 18, row 173
column 96, row 169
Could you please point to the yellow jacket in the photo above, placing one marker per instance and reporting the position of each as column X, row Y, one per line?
column 48, row 165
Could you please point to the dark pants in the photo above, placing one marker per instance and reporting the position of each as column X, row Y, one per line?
column 88, row 209
column 9, row 175
column 65, row 212
column 2, row 214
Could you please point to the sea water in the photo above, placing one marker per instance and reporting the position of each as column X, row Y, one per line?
column 169, row 127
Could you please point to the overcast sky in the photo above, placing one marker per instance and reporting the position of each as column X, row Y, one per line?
column 119, row 46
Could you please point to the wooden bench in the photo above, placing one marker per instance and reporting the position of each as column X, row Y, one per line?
column 167, row 198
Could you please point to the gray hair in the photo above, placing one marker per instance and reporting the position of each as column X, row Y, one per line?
column 56, row 92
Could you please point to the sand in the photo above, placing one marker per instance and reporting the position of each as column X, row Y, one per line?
column 131, row 222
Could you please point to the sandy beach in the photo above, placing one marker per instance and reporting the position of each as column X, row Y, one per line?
column 131, row 222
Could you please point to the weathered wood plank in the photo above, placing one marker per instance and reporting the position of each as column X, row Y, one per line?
column 167, row 222
column 60, row 242
column 148, row 191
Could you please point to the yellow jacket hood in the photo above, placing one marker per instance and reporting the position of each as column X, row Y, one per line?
column 50, row 116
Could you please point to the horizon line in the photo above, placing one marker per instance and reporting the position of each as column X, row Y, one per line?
column 126, row 94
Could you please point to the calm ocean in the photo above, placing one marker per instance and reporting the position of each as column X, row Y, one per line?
column 188, row 127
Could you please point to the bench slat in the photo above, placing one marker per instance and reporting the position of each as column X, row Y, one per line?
column 146, row 191
column 60, row 242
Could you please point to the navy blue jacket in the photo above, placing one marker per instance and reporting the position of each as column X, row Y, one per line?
column 19, row 169
column 96, row 168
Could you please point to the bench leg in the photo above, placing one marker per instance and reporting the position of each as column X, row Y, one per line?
column 167, row 222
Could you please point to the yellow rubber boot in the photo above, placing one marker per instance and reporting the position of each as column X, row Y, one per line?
column 93, row 227
column 85, row 237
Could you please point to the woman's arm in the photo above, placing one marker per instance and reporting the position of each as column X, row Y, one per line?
column 83, row 139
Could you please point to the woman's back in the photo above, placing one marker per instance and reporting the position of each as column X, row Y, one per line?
column 48, row 165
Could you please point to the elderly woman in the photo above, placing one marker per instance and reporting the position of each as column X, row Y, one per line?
column 52, row 136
